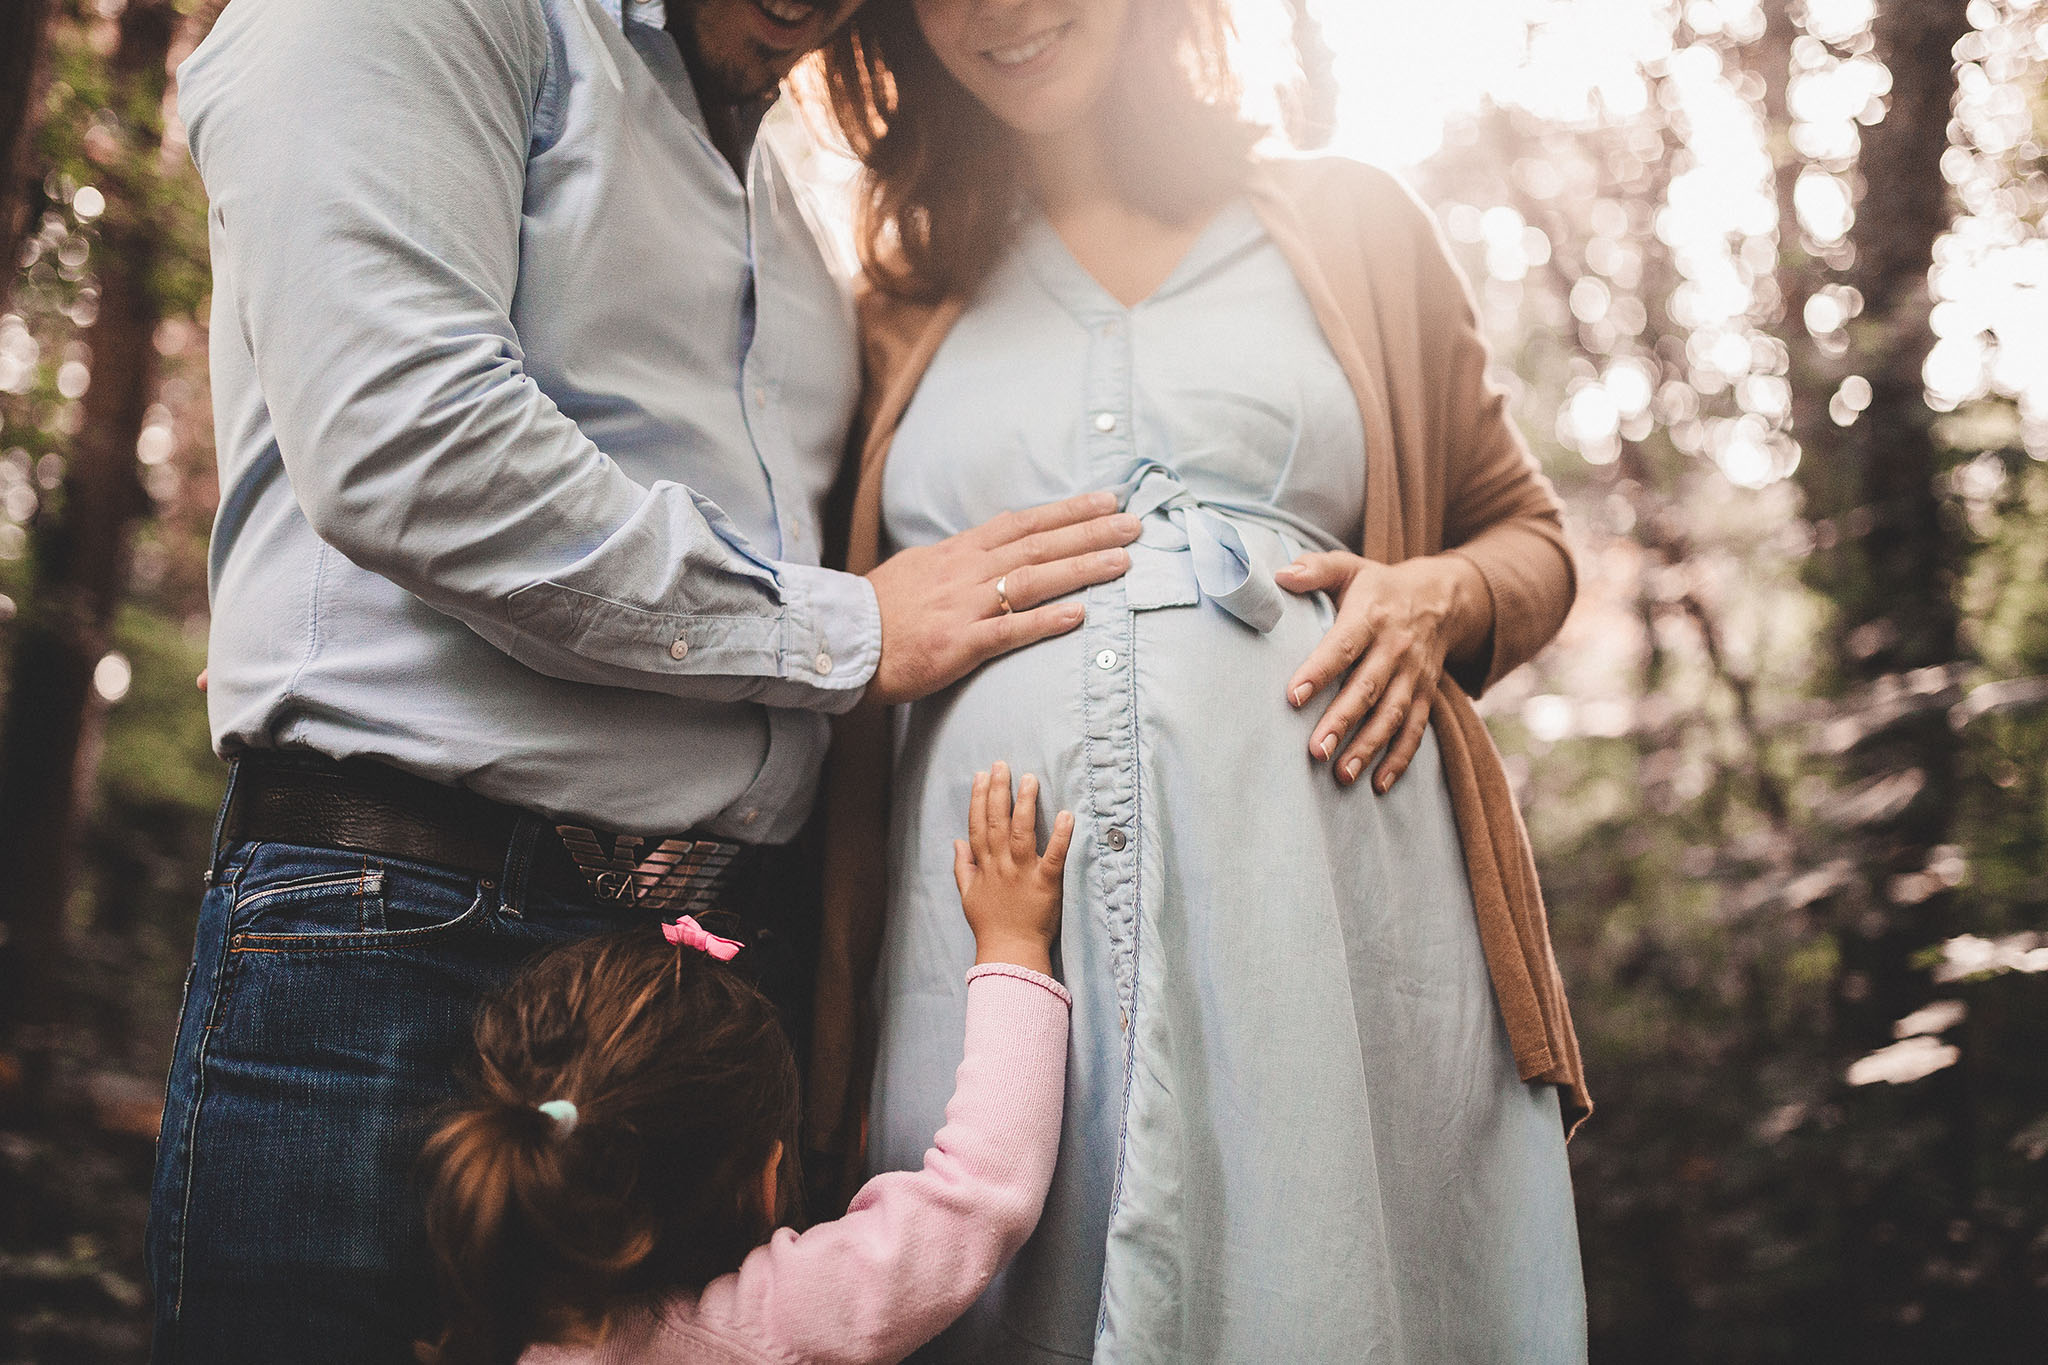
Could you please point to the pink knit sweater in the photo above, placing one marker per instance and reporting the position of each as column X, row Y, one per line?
column 916, row 1247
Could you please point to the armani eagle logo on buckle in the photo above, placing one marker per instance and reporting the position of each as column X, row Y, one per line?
column 680, row 875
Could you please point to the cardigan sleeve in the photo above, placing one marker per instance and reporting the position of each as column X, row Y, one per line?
column 1500, row 512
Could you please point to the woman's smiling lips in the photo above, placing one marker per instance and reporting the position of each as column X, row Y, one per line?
column 1020, row 58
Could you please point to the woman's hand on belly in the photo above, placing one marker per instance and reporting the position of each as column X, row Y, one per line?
column 949, row 607
column 1395, row 626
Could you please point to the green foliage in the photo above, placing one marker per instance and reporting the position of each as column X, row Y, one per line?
column 158, row 752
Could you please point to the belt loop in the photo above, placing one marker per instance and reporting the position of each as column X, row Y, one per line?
column 224, row 823
column 526, row 831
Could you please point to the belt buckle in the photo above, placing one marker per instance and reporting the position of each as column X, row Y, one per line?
column 680, row 875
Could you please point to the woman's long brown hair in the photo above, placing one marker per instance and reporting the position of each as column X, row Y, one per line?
column 683, row 1083
column 938, row 202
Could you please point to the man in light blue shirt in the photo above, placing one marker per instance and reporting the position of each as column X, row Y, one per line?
column 531, row 383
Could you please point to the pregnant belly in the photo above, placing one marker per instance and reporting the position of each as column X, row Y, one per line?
column 1209, row 690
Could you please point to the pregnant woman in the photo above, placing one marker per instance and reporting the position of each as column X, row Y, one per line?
column 1321, row 1071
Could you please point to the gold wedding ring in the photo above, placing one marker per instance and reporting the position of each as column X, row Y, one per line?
column 1002, row 596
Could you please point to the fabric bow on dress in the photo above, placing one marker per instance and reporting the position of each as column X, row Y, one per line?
column 1225, row 569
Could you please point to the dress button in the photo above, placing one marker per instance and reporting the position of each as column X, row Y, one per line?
column 760, row 397
column 1106, row 659
column 823, row 663
column 679, row 650
column 1117, row 840
column 751, row 816
column 1105, row 421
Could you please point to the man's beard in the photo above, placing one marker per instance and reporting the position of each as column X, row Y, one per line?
column 718, row 79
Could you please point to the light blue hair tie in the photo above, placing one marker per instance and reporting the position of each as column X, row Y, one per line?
column 563, row 1112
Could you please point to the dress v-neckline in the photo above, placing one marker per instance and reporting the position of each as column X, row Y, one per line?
column 1056, row 267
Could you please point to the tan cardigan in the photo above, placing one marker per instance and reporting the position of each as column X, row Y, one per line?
column 1446, row 469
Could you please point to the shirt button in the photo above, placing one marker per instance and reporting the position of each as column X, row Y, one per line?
column 1117, row 840
column 751, row 816
column 1106, row 659
column 679, row 650
column 760, row 397
column 1112, row 328
column 1105, row 421
column 823, row 663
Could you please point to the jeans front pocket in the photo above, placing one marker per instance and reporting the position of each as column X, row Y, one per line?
column 323, row 903
column 305, row 899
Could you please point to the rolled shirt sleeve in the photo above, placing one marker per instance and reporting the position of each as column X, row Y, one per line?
column 366, row 163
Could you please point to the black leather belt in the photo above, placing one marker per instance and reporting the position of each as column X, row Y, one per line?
column 363, row 806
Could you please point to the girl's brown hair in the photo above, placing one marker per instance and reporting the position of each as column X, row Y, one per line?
column 937, row 204
column 683, row 1083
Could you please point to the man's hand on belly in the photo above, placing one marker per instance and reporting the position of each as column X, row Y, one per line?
column 949, row 607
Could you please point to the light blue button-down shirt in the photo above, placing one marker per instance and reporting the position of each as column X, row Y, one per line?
column 526, row 409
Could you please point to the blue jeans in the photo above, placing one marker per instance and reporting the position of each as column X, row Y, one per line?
column 328, row 1011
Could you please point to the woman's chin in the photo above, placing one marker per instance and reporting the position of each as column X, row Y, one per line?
column 1043, row 119
column 1043, row 131
column 1054, row 105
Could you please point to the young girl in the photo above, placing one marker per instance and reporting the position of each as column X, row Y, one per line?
column 613, row 1190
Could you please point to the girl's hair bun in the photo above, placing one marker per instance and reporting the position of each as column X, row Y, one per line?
column 683, row 1083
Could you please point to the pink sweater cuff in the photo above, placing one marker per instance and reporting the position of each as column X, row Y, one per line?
column 1022, row 974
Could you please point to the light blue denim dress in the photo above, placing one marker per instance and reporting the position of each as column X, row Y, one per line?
column 1294, row 1131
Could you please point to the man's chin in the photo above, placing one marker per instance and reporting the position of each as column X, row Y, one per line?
column 730, row 66
column 734, row 83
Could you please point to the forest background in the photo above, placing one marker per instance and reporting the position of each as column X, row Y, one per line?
column 1768, row 281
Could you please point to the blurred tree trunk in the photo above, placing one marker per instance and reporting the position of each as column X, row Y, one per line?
column 1889, row 557
column 1813, row 375
column 22, row 27
column 82, row 553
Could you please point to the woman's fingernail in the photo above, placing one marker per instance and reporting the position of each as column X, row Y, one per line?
column 1383, row 783
column 1299, row 694
column 1327, row 746
column 1351, row 769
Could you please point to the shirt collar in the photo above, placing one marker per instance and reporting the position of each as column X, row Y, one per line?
column 653, row 13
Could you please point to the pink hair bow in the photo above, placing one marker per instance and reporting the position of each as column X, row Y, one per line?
column 687, row 933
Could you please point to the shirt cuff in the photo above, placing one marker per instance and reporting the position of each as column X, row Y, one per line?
column 831, row 630
column 1022, row 974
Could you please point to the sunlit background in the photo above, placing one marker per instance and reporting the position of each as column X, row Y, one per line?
column 1767, row 282
column 1589, row 63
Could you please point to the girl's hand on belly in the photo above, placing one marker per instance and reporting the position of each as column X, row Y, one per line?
column 1011, row 893
column 1404, row 620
